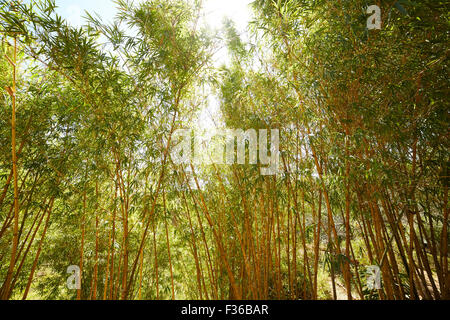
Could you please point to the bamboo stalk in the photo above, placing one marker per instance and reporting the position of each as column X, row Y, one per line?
column 12, row 92
column 33, row 268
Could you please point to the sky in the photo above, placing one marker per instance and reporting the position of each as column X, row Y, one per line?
column 73, row 10
column 214, row 12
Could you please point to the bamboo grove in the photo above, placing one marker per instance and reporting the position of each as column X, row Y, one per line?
column 87, row 117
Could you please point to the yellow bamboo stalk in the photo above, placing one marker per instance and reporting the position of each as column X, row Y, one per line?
column 12, row 93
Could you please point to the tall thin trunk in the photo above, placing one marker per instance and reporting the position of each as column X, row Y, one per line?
column 36, row 259
column 83, row 231
column 168, row 244
column 12, row 93
column 156, row 261
column 94, row 281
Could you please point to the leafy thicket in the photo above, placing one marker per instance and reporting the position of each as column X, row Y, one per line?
column 364, row 163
